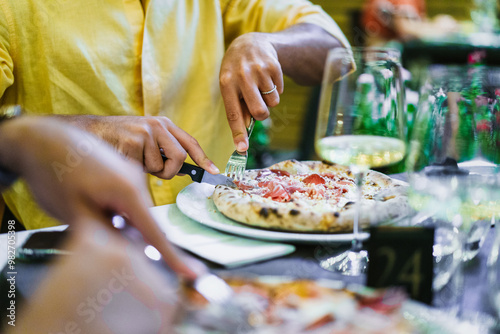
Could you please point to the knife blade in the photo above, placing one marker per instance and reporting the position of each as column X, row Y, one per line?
column 200, row 175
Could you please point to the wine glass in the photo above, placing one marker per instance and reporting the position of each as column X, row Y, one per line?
column 360, row 125
column 453, row 160
column 454, row 151
column 493, row 276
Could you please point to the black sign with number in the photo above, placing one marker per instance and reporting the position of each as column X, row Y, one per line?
column 402, row 256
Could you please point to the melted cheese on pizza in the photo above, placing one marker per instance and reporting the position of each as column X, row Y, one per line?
column 326, row 190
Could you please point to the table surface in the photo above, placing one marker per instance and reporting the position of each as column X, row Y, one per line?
column 303, row 263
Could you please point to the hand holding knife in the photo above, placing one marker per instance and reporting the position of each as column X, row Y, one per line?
column 200, row 175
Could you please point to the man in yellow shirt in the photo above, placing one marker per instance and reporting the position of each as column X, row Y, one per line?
column 129, row 70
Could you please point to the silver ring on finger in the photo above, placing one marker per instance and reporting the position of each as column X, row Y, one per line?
column 269, row 91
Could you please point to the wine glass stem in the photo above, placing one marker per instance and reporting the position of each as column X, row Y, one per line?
column 356, row 242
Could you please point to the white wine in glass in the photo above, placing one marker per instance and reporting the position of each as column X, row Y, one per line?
column 364, row 151
column 360, row 125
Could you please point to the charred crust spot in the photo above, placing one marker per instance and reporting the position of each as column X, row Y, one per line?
column 373, row 184
column 264, row 212
column 349, row 173
column 349, row 203
column 327, row 163
column 294, row 212
column 275, row 211
column 336, row 214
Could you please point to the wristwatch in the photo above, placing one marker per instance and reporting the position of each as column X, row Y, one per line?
column 7, row 177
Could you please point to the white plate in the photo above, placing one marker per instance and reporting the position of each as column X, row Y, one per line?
column 195, row 201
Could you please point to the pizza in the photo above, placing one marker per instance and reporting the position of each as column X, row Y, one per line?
column 310, row 196
column 267, row 305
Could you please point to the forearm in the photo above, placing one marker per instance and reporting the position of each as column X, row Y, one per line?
column 11, row 150
column 87, row 123
column 302, row 51
column 102, row 127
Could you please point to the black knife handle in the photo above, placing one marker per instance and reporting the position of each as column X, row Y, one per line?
column 195, row 172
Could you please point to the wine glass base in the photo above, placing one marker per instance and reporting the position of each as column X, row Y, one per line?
column 349, row 263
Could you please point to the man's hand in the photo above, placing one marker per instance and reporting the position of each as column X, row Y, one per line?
column 141, row 138
column 255, row 62
column 250, row 66
column 77, row 178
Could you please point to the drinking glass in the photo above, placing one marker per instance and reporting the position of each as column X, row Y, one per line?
column 455, row 150
column 493, row 275
column 360, row 125
column 453, row 161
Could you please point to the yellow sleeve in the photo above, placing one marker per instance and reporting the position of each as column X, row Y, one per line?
column 243, row 16
column 6, row 63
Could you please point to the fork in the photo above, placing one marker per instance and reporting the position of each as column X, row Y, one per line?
column 213, row 288
column 236, row 312
column 237, row 162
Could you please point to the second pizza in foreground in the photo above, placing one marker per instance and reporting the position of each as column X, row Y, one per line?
column 276, row 305
column 310, row 196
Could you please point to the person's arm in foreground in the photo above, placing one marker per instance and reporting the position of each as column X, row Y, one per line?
column 75, row 178
column 255, row 62
column 105, row 286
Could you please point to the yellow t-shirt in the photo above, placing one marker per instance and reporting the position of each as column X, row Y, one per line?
column 155, row 57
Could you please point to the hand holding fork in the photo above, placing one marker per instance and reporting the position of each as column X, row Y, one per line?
column 237, row 162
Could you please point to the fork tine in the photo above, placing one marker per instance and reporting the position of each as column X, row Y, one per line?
column 237, row 173
column 232, row 171
column 234, row 174
column 241, row 172
column 229, row 170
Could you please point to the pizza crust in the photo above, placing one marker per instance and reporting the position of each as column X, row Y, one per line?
column 300, row 216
